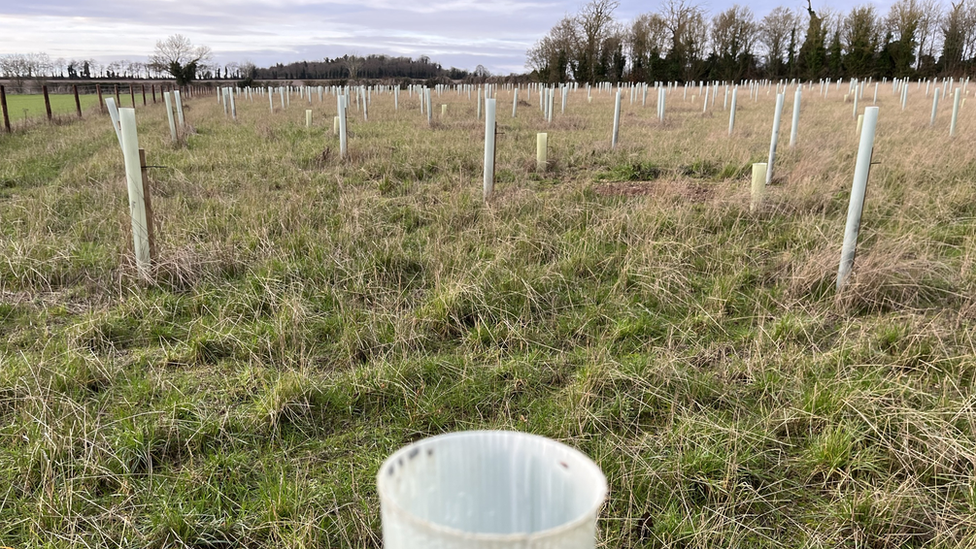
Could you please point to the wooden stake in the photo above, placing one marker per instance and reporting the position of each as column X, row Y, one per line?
column 3, row 107
column 143, row 95
column 77, row 100
column 153, row 86
column 101, row 104
column 47, row 103
column 147, row 200
column 132, row 95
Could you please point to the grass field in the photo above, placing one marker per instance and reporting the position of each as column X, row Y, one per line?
column 31, row 107
column 311, row 315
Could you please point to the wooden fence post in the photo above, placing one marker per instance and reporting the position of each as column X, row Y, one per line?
column 143, row 94
column 77, row 100
column 3, row 106
column 47, row 103
column 154, row 93
column 118, row 100
column 101, row 104
column 132, row 95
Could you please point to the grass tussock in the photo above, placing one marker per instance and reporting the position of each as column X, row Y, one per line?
column 309, row 314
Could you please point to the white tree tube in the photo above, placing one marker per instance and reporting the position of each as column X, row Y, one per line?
column 796, row 118
column 489, row 182
column 616, row 122
column 935, row 106
column 735, row 93
column 179, row 108
column 541, row 151
column 775, row 137
column 137, row 201
column 758, row 184
column 955, row 114
column 861, row 170
column 514, row 102
column 343, row 143
column 113, row 114
column 169, row 115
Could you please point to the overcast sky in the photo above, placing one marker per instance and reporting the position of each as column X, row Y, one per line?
column 459, row 33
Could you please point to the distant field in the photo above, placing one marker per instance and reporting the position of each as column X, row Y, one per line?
column 32, row 106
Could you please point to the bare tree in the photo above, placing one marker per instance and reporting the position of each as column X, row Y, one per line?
column 553, row 56
column 596, row 25
column 776, row 31
column 232, row 70
column 647, row 40
column 733, row 34
column 24, row 67
column 958, row 37
column 178, row 56
column 353, row 64
column 689, row 34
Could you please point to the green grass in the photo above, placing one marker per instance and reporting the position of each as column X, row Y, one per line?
column 309, row 316
column 31, row 107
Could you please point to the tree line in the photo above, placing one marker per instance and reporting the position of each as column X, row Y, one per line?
column 353, row 67
column 176, row 57
column 683, row 42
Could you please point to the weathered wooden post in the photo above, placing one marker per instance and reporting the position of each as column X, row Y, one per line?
column 3, row 107
column 118, row 98
column 489, row 182
column 47, row 103
column 137, row 202
column 101, row 104
column 143, row 86
column 77, row 99
column 861, row 170
column 132, row 95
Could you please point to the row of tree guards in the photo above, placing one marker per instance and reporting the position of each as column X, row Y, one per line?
column 486, row 98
